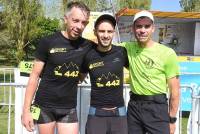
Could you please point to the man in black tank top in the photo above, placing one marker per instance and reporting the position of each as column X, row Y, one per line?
column 105, row 62
column 58, row 61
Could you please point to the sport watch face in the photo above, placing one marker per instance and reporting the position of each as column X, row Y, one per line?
column 172, row 119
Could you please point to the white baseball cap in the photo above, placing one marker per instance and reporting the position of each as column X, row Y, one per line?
column 143, row 13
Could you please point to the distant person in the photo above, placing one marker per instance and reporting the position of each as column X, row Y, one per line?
column 105, row 62
column 58, row 61
column 153, row 70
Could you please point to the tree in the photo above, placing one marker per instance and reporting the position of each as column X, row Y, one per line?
column 24, row 24
column 190, row 5
column 19, row 20
column 64, row 4
column 136, row 4
column 139, row 4
column 102, row 5
column 45, row 27
column 7, row 50
column 92, row 4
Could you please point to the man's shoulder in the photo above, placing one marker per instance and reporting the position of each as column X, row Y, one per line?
column 164, row 48
column 86, row 42
column 118, row 47
column 128, row 44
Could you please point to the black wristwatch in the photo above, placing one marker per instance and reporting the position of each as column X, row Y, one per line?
column 172, row 119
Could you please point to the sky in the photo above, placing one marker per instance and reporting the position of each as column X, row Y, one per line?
column 166, row 5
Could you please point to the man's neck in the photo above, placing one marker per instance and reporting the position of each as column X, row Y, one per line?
column 104, row 49
column 148, row 44
column 65, row 34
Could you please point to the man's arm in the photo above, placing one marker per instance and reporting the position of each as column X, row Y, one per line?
column 174, row 87
column 27, row 119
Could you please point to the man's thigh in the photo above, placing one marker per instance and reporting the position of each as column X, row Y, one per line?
column 96, row 125
column 156, row 118
column 67, row 128
column 134, row 119
column 118, row 125
column 148, row 117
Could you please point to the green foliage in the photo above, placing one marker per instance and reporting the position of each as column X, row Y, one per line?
column 190, row 5
column 45, row 27
column 24, row 25
column 135, row 4
column 19, row 20
column 92, row 4
column 7, row 48
column 102, row 5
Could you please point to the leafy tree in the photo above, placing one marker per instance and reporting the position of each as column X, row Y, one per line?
column 19, row 18
column 45, row 27
column 25, row 25
column 7, row 48
column 64, row 4
column 190, row 5
column 102, row 5
column 140, row 4
column 136, row 4
column 92, row 4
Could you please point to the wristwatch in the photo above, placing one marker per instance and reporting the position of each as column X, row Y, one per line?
column 172, row 119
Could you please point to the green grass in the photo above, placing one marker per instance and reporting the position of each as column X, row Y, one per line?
column 4, row 121
column 4, row 94
column 8, row 77
column 184, row 125
column 4, row 98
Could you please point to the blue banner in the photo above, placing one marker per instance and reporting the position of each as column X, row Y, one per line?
column 190, row 80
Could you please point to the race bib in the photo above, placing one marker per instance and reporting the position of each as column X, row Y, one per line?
column 35, row 111
column 25, row 68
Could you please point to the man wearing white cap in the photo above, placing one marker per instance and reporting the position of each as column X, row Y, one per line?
column 154, row 71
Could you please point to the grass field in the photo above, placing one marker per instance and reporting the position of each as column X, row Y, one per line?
column 4, row 100
column 184, row 125
column 4, row 122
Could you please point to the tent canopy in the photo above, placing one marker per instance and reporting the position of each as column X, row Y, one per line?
column 166, row 16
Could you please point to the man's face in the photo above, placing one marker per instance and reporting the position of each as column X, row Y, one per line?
column 104, row 33
column 75, row 21
column 143, row 29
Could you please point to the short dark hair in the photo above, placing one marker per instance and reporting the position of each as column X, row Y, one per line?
column 77, row 4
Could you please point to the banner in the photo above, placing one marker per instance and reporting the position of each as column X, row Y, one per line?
column 190, row 81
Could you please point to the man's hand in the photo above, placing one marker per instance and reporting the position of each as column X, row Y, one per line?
column 27, row 121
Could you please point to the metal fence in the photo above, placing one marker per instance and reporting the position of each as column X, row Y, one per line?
column 6, row 101
column 11, row 101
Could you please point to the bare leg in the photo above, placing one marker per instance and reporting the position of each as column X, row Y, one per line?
column 67, row 128
column 47, row 128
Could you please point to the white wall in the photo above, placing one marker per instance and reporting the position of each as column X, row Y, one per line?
column 197, row 39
